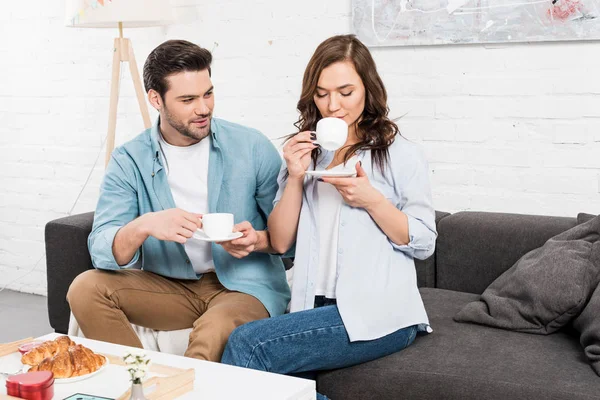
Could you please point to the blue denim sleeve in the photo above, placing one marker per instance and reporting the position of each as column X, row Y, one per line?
column 117, row 206
column 416, row 203
column 268, row 162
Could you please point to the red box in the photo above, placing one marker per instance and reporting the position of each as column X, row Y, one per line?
column 31, row 386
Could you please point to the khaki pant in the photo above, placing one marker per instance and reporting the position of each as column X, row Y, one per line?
column 105, row 303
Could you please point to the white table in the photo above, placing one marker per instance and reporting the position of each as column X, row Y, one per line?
column 213, row 380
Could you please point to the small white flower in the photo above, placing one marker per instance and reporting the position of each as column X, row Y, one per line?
column 139, row 374
column 137, row 363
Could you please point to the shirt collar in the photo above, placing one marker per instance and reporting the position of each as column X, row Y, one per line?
column 155, row 135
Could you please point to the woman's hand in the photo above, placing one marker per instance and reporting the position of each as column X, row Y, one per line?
column 357, row 192
column 296, row 154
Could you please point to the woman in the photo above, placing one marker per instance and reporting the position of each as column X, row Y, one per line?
column 354, row 295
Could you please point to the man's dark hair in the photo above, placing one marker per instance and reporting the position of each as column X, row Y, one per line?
column 171, row 57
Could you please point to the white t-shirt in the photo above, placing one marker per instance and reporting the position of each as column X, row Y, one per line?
column 187, row 174
column 330, row 204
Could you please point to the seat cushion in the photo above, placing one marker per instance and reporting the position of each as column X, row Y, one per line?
column 467, row 361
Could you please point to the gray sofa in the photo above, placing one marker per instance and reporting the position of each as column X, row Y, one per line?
column 456, row 361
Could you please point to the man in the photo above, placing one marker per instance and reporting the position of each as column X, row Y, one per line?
column 154, row 192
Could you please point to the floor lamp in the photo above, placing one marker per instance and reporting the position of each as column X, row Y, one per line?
column 120, row 14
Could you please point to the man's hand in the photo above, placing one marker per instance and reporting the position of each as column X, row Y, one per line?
column 241, row 247
column 174, row 225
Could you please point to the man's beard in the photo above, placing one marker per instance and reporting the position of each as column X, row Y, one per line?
column 187, row 130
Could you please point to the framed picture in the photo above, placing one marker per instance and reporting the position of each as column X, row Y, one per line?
column 434, row 22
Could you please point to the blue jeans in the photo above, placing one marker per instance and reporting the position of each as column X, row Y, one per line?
column 310, row 340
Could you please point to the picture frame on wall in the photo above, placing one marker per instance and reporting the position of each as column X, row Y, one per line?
column 438, row 22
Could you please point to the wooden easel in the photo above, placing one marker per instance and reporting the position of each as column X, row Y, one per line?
column 123, row 52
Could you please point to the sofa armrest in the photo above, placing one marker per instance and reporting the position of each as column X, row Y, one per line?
column 426, row 269
column 67, row 256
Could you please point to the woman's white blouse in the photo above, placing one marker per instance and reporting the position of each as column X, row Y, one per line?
column 330, row 204
column 376, row 279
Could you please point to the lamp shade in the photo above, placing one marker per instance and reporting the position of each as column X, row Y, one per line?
column 108, row 13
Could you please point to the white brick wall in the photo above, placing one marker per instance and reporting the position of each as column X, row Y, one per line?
column 512, row 128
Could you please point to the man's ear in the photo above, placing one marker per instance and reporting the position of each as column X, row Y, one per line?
column 155, row 99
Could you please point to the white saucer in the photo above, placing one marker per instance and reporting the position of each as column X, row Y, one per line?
column 332, row 173
column 200, row 235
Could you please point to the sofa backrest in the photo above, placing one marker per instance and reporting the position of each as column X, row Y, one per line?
column 426, row 268
column 474, row 248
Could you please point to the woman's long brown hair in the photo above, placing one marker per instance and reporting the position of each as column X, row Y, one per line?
column 375, row 131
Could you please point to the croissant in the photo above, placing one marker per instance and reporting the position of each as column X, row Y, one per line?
column 76, row 361
column 47, row 349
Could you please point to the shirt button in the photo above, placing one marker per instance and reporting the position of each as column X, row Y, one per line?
column 340, row 251
column 343, row 223
column 187, row 261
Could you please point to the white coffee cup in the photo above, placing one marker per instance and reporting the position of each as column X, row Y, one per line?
column 217, row 225
column 331, row 133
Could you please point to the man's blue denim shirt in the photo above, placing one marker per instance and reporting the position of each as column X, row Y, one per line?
column 242, row 179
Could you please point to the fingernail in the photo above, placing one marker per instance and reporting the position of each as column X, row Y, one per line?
column 320, row 179
column 313, row 135
column 360, row 163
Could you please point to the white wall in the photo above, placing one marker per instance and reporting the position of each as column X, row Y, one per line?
column 512, row 128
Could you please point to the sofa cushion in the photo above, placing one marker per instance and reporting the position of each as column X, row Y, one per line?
column 482, row 245
column 583, row 217
column 546, row 288
column 464, row 362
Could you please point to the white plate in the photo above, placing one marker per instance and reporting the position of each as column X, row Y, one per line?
column 200, row 235
column 333, row 174
column 81, row 377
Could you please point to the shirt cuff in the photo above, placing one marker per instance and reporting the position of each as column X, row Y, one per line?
column 421, row 239
column 101, row 250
